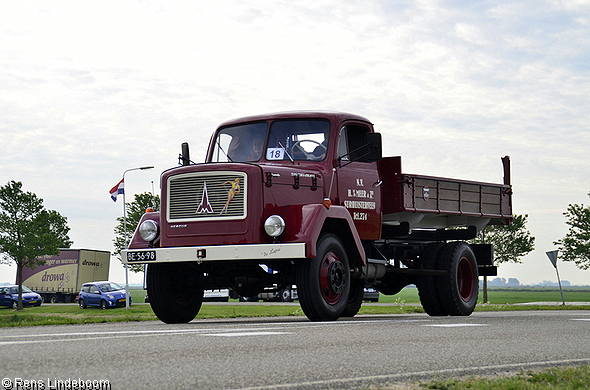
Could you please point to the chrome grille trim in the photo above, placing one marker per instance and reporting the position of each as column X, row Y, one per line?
column 188, row 200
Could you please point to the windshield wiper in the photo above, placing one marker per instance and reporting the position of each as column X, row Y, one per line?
column 226, row 155
column 282, row 147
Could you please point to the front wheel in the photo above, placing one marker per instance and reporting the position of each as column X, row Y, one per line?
column 103, row 305
column 323, row 283
column 174, row 293
column 355, row 300
column 459, row 288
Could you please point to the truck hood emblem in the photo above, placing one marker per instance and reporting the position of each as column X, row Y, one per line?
column 205, row 206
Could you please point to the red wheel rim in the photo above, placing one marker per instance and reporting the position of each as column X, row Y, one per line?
column 465, row 279
column 332, row 280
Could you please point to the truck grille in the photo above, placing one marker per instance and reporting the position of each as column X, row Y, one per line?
column 204, row 196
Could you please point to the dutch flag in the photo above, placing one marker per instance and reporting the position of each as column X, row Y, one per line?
column 118, row 189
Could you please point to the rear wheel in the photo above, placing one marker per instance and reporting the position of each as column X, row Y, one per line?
column 174, row 293
column 82, row 304
column 323, row 283
column 427, row 284
column 459, row 288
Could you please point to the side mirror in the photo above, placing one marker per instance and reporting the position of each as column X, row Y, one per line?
column 373, row 145
column 185, row 156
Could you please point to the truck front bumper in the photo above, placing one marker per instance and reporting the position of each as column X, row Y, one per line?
column 214, row 253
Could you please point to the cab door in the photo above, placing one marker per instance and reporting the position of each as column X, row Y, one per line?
column 359, row 184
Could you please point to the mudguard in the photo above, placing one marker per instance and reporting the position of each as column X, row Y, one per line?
column 313, row 220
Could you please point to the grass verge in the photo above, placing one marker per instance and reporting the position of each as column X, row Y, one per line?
column 556, row 378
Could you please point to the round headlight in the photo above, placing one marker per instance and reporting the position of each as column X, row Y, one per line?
column 148, row 230
column 274, row 225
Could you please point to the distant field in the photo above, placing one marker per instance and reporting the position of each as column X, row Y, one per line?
column 506, row 295
column 495, row 296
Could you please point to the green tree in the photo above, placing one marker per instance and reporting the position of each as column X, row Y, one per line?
column 135, row 211
column 575, row 246
column 511, row 242
column 28, row 231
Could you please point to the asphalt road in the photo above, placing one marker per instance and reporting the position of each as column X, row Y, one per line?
column 292, row 353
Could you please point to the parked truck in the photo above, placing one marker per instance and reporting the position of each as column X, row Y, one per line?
column 309, row 195
column 60, row 278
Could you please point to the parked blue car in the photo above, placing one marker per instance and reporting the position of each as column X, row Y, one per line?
column 103, row 294
column 9, row 296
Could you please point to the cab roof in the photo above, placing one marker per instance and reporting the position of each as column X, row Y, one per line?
column 333, row 116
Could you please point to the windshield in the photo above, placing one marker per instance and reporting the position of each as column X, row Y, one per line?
column 240, row 143
column 14, row 290
column 106, row 287
column 295, row 140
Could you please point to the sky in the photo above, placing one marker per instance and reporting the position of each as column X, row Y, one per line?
column 91, row 89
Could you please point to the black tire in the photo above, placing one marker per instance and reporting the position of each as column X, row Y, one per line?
column 174, row 293
column 323, row 283
column 15, row 305
column 82, row 304
column 355, row 299
column 104, row 305
column 428, row 284
column 459, row 288
column 53, row 298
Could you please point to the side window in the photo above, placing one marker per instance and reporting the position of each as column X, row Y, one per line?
column 93, row 289
column 351, row 141
column 343, row 144
column 86, row 289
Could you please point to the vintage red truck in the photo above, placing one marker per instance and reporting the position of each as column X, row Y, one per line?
column 309, row 195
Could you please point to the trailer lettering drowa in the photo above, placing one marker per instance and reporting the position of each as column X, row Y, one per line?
column 309, row 195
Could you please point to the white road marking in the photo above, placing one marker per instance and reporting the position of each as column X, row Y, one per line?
column 454, row 325
column 241, row 334
column 83, row 336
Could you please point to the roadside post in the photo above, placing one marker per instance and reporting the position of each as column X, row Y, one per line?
column 125, row 228
column 553, row 258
